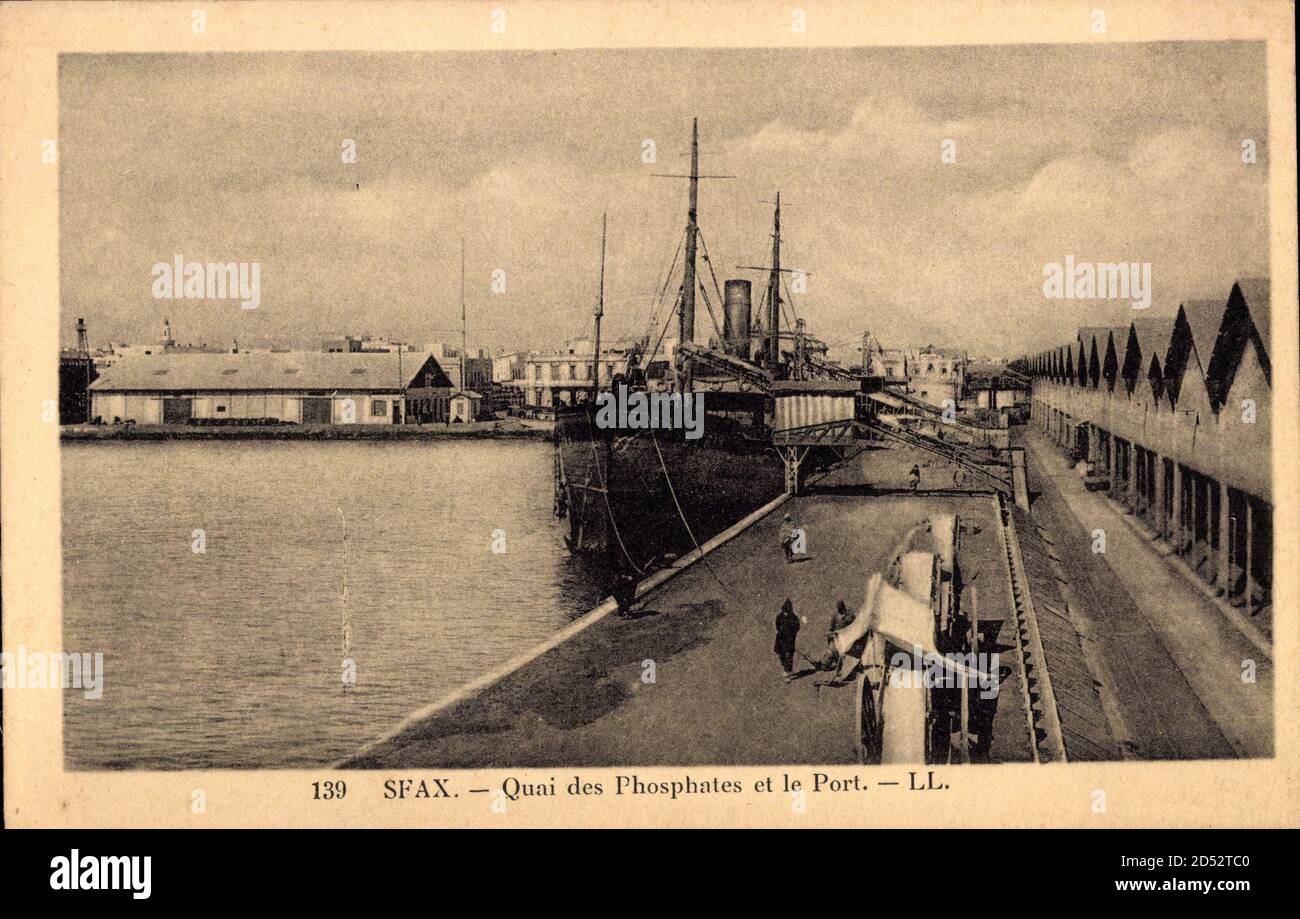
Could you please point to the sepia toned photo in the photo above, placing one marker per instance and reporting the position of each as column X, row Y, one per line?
column 510, row 422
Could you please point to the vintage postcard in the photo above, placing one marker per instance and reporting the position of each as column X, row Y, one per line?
column 649, row 414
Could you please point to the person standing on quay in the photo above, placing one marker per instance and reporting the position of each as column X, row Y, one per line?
column 788, row 535
column 624, row 592
column 787, row 629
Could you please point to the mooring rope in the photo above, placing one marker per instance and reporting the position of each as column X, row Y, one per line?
column 704, row 558
column 604, row 490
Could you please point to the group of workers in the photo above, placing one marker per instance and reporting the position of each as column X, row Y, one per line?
column 787, row 633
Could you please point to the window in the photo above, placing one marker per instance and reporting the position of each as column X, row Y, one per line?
column 220, row 408
column 378, row 408
column 572, row 374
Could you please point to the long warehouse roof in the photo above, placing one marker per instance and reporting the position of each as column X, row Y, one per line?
column 262, row 371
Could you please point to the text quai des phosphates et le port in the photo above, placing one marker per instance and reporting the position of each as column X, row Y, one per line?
column 515, row 789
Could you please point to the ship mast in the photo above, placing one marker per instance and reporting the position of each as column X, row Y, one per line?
column 686, row 319
column 686, row 303
column 463, row 346
column 774, row 293
column 600, row 307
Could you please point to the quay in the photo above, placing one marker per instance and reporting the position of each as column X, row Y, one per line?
column 1103, row 656
column 691, row 677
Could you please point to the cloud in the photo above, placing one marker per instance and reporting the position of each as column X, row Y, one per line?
column 1103, row 152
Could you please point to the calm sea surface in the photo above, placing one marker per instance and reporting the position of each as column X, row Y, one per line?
column 234, row 656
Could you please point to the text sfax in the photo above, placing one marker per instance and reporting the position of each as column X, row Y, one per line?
column 400, row 789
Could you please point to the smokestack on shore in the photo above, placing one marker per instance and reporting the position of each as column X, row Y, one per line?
column 735, row 318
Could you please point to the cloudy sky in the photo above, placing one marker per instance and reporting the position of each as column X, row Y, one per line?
column 1104, row 152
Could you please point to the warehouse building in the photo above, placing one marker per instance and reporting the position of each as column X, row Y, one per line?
column 1174, row 413
column 307, row 387
column 996, row 388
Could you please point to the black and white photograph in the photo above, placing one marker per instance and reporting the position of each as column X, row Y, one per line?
column 879, row 410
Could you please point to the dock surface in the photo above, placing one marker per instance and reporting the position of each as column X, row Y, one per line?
column 1172, row 661
column 692, row 679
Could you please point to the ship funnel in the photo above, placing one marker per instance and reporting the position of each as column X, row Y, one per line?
column 735, row 318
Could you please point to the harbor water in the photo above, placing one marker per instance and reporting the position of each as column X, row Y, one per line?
column 216, row 580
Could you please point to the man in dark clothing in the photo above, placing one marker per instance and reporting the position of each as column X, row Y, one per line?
column 787, row 628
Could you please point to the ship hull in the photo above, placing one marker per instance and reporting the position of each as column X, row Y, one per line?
column 645, row 497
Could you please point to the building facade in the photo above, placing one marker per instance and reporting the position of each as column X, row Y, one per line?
column 76, row 372
column 936, row 375
column 1175, row 413
column 306, row 387
column 465, row 406
column 509, row 367
column 565, row 374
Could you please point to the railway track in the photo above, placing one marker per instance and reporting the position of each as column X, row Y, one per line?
column 1046, row 738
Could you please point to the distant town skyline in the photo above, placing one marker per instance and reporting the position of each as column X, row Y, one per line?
column 1101, row 153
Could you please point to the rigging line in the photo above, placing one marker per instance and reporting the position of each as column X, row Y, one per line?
column 704, row 558
column 658, row 300
column 704, row 293
column 604, row 490
column 677, row 211
column 708, row 261
column 759, row 321
column 671, row 268
column 791, row 315
column 662, row 332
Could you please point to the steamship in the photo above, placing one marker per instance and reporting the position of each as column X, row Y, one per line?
column 645, row 496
